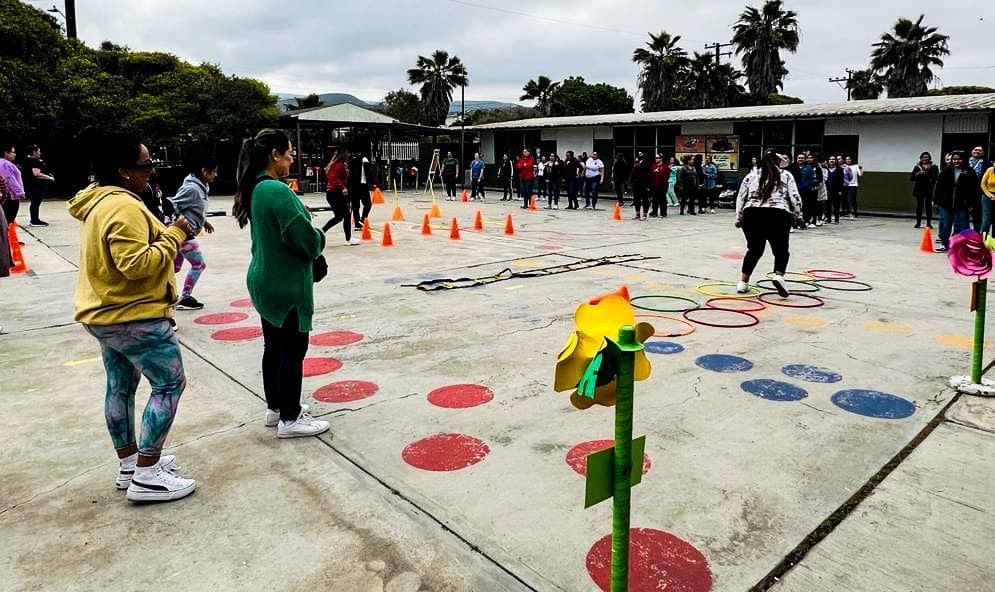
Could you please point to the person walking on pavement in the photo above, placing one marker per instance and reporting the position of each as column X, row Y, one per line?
column 360, row 176
column 337, row 195
column 37, row 179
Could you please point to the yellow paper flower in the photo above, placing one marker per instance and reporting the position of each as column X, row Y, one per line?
column 595, row 321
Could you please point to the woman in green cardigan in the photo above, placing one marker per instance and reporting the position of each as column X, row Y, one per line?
column 280, row 280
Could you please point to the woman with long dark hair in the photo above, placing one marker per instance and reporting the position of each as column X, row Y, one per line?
column 280, row 276
column 765, row 207
column 337, row 194
column 125, row 293
column 190, row 202
column 923, row 177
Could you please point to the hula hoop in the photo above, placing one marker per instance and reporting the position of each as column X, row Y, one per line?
column 818, row 301
column 830, row 274
column 754, row 320
column 809, row 286
column 803, row 274
column 669, row 318
column 701, row 290
column 864, row 287
column 710, row 301
column 651, row 309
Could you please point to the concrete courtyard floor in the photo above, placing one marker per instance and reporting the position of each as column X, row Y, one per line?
column 815, row 483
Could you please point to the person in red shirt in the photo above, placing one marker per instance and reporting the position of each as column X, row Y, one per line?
column 525, row 167
column 659, row 183
column 337, row 194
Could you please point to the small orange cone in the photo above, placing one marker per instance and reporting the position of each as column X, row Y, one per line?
column 466, row 196
column 435, row 213
column 15, row 250
column 926, row 244
column 295, row 186
column 532, row 203
column 398, row 215
column 387, row 240
column 617, row 214
column 478, row 221
column 509, row 228
column 426, row 226
column 367, row 234
column 454, row 230
column 377, row 195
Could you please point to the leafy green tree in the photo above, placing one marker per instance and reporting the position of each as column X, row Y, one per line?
column 402, row 105
column 540, row 90
column 309, row 102
column 759, row 36
column 779, row 99
column 438, row 76
column 31, row 47
column 662, row 68
column 577, row 97
column 706, row 85
column 864, row 84
column 905, row 54
column 482, row 116
column 960, row 90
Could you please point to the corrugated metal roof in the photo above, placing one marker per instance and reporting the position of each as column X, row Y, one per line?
column 343, row 112
column 984, row 102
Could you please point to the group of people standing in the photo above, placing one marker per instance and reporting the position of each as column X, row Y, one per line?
column 828, row 188
column 963, row 192
column 30, row 181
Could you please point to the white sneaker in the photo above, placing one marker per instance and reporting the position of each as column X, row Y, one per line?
column 712, row 211
column 156, row 484
column 353, row 242
column 304, row 426
column 742, row 287
column 818, row 222
column 556, row 206
column 127, row 469
column 780, row 285
column 810, row 226
column 273, row 416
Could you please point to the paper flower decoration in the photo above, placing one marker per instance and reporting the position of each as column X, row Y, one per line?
column 969, row 255
column 596, row 321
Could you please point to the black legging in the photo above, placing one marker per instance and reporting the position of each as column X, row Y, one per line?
column 833, row 205
column 810, row 205
column 620, row 192
column 284, row 349
column 360, row 195
column 687, row 200
column 641, row 199
column 924, row 202
column 340, row 207
column 10, row 209
column 449, row 182
column 36, row 195
column 508, row 192
column 763, row 225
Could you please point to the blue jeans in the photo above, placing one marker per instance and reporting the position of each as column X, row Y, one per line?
column 591, row 186
column 987, row 212
column 957, row 219
column 526, row 187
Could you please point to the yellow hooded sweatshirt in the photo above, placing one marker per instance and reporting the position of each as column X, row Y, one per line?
column 126, row 258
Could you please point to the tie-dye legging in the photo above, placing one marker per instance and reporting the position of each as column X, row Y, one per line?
column 190, row 251
column 129, row 351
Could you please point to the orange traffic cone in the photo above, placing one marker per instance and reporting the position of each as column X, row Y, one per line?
column 387, row 240
column 295, row 186
column 435, row 213
column 426, row 226
column 15, row 250
column 398, row 215
column 532, row 203
column 926, row 244
column 377, row 195
column 478, row 221
column 617, row 214
column 454, row 230
column 367, row 234
column 509, row 228
column 466, row 196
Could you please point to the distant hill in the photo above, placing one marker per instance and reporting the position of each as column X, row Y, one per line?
column 329, row 99
column 454, row 107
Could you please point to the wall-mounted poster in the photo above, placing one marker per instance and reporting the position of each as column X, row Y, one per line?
column 723, row 149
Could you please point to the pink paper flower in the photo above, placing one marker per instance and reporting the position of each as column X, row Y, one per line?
column 969, row 255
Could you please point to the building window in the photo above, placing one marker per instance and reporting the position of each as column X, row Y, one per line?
column 777, row 133
column 809, row 132
column 841, row 146
column 624, row 136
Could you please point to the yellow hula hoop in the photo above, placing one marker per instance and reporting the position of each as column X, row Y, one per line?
column 701, row 289
column 805, row 277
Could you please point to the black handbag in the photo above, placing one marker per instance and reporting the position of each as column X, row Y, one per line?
column 319, row 268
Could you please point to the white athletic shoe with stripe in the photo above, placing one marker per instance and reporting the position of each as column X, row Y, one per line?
column 127, row 470
column 156, row 484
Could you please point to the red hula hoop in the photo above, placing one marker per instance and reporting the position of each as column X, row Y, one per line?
column 754, row 319
column 709, row 304
column 830, row 274
column 818, row 301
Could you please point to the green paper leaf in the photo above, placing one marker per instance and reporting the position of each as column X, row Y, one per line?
column 600, row 484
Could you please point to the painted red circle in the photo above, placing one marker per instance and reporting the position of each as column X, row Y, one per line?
column 319, row 366
column 336, row 338
column 657, row 561
column 242, row 303
column 733, row 256
column 221, row 318
column 549, row 248
column 577, row 456
column 345, row 391
column 445, row 452
column 460, row 396
column 237, row 334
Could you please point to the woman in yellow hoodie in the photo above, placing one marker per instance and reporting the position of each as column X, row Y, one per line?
column 124, row 297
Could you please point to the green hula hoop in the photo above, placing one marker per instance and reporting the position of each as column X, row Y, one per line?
column 632, row 301
column 809, row 286
column 701, row 289
column 862, row 286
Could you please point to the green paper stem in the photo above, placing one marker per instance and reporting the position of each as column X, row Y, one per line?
column 623, row 462
column 981, row 300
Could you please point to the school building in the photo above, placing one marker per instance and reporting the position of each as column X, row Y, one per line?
column 886, row 136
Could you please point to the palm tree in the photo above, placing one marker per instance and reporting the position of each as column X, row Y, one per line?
column 864, row 84
column 708, row 85
column 661, row 69
column 438, row 75
column 541, row 91
column 760, row 36
column 903, row 57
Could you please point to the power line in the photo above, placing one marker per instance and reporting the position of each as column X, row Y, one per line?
column 849, row 75
column 718, row 50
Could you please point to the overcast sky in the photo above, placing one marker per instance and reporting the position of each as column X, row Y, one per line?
column 364, row 48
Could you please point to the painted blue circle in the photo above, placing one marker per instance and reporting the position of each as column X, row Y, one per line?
column 663, row 347
column 873, row 404
column 774, row 390
column 724, row 363
column 811, row 373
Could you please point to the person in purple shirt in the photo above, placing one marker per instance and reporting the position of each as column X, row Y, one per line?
column 15, row 186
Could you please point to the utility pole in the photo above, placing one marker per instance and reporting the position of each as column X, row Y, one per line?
column 462, row 133
column 71, row 19
column 849, row 75
column 718, row 51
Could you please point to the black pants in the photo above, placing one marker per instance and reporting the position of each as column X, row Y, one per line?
column 10, row 209
column 506, row 191
column 540, row 187
column 620, row 192
column 284, row 349
column 687, row 200
column 340, row 209
column 477, row 188
column 924, row 203
column 553, row 192
column 833, row 205
column 713, row 197
column 572, row 202
column 810, row 205
column 36, row 195
column 449, row 182
column 360, row 195
column 762, row 226
column 526, row 189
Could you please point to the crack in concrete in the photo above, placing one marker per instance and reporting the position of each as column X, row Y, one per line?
column 56, row 488
column 343, row 411
column 817, row 409
column 956, row 501
column 546, row 326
